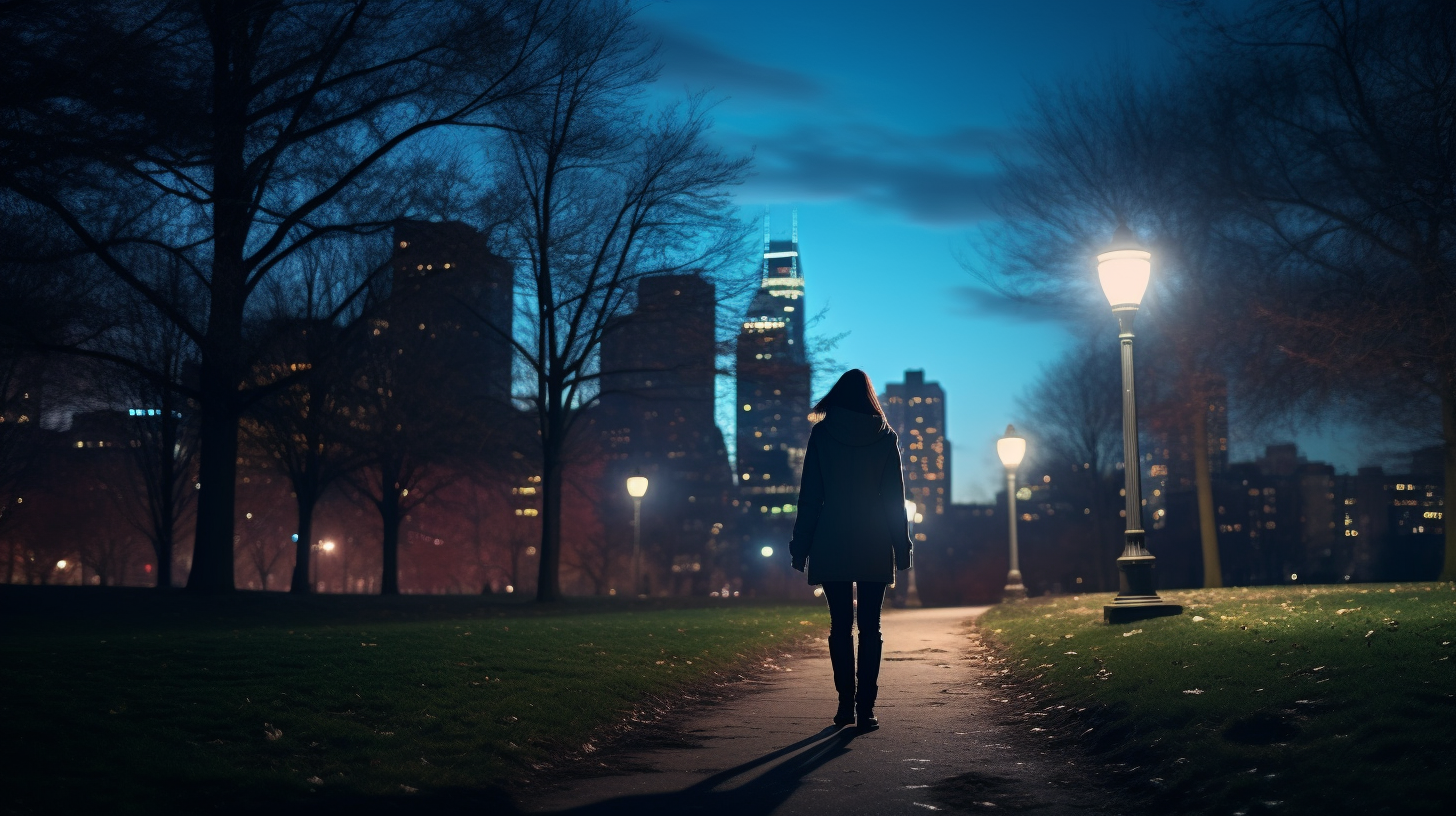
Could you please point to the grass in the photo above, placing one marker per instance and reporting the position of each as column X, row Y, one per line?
column 182, row 706
column 1335, row 699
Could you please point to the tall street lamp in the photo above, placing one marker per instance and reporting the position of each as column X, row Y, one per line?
column 1012, row 449
column 636, row 488
column 1124, row 268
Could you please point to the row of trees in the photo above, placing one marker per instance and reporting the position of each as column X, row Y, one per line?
column 200, row 192
column 1294, row 175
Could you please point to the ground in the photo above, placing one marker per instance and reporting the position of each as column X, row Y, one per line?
column 1328, row 699
column 128, row 702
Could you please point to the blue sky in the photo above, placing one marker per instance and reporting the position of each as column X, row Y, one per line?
column 879, row 123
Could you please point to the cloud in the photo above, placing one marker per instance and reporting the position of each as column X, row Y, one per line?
column 976, row 302
column 942, row 179
column 693, row 61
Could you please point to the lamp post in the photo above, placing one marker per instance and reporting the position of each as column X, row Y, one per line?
column 1011, row 449
column 636, row 488
column 912, row 594
column 1123, row 269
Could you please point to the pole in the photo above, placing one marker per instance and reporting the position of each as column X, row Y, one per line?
column 1014, row 588
column 912, row 594
column 1136, row 598
column 636, row 546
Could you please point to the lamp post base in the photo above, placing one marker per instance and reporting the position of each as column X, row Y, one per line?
column 1014, row 589
column 1136, row 599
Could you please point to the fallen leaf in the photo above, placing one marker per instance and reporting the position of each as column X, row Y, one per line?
column 270, row 732
column 1198, row 618
column 1192, row 691
column 314, row 780
column 1133, row 632
column 408, row 789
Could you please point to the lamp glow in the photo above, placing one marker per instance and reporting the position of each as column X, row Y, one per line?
column 1011, row 448
column 1124, row 269
column 636, row 486
column 909, row 510
column 327, row 546
column 766, row 552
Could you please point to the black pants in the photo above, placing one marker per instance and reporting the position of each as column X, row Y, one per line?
column 842, row 609
column 842, row 616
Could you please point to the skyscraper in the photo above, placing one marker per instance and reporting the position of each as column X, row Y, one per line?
column 656, row 419
column 916, row 410
column 446, row 280
column 773, row 382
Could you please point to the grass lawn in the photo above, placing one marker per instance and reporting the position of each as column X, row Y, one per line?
column 184, row 704
column 1320, row 699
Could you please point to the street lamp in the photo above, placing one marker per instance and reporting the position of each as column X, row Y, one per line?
column 1124, row 268
column 912, row 594
column 636, row 488
column 1012, row 449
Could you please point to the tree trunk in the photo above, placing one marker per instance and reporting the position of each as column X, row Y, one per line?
column 1203, row 480
column 548, row 576
column 220, row 370
column 303, row 547
column 389, row 514
column 1448, row 429
column 212, row 553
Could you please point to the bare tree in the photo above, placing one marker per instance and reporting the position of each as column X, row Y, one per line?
column 227, row 136
column 599, row 192
column 1114, row 149
column 1333, row 123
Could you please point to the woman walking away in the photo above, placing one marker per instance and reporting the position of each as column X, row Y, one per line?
column 851, row 530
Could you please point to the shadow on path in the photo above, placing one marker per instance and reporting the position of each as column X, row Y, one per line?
column 761, row 794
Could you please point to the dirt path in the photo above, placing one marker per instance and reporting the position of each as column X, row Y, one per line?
column 948, row 742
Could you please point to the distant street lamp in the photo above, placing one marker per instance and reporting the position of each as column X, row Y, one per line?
column 1124, row 268
column 1012, row 449
column 912, row 593
column 636, row 488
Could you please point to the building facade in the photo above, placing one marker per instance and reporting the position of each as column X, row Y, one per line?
column 916, row 411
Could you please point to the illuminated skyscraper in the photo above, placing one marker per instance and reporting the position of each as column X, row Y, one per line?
column 916, row 410
column 773, row 383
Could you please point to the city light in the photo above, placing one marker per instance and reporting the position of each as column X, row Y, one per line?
column 766, row 551
column 326, row 546
column 63, row 563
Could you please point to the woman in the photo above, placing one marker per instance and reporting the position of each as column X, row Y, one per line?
column 851, row 530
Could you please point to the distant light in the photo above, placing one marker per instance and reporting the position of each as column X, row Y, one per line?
column 1294, row 576
column 327, row 546
column 636, row 486
column 530, row 551
column 510, row 589
column 1010, row 448
column 919, row 518
column 63, row 563
column 765, row 552
column 294, row 537
column 147, row 568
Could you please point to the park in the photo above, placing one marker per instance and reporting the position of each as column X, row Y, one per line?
column 594, row 407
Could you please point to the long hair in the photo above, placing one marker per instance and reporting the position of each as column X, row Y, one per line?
column 853, row 392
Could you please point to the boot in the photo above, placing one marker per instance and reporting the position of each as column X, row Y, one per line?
column 869, row 681
column 841, row 658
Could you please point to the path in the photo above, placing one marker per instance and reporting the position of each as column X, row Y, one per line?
column 944, row 744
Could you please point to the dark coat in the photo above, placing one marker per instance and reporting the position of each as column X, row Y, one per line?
column 851, row 524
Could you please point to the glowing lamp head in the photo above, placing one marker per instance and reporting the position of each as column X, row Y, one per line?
column 909, row 510
column 636, row 486
column 766, row 552
column 327, row 546
column 1124, row 268
column 1011, row 448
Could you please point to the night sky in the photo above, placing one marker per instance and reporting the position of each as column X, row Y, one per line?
column 879, row 121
